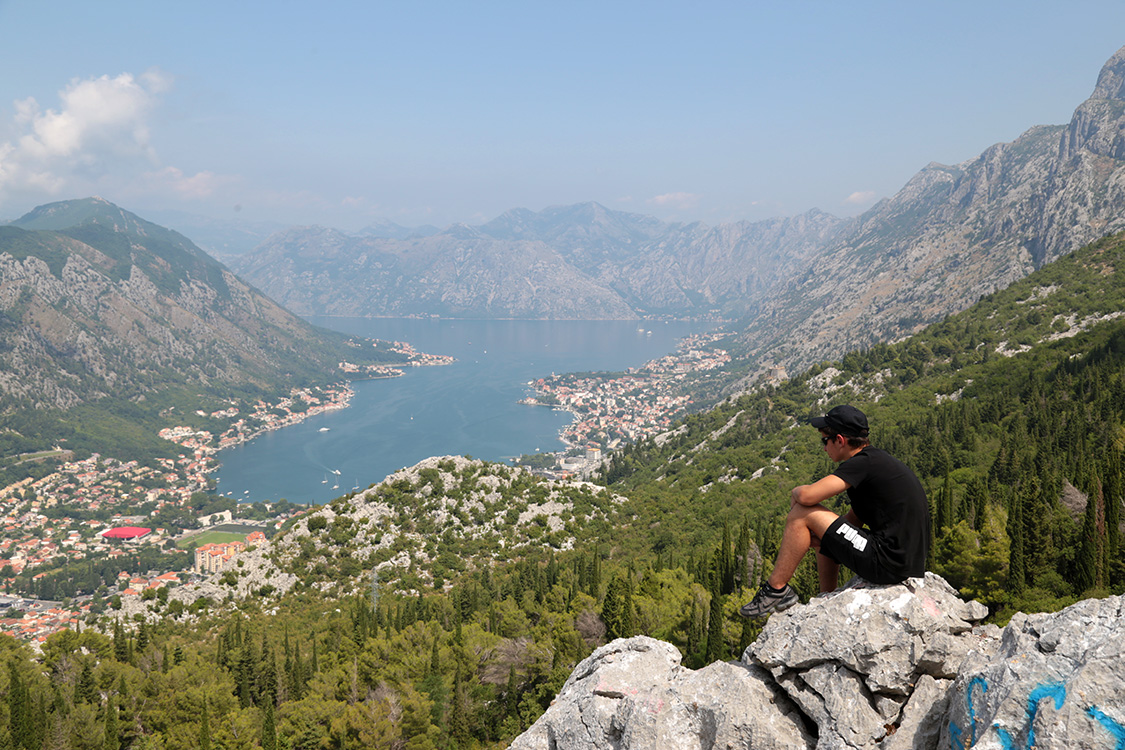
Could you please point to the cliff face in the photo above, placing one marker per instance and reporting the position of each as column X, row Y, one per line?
column 95, row 301
column 885, row 667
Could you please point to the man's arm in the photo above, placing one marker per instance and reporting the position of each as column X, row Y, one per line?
column 818, row 491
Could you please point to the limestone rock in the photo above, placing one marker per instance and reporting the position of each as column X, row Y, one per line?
column 633, row 693
column 1057, row 681
column 853, row 659
column 898, row 667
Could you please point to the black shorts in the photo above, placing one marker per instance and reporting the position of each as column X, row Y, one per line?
column 856, row 547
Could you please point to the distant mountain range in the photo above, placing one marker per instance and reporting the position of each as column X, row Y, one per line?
column 804, row 288
column 569, row 262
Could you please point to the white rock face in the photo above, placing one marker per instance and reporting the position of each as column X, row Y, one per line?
column 1057, row 681
column 853, row 659
column 633, row 693
column 889, row 667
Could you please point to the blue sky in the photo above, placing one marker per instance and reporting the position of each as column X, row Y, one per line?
column 343, row 114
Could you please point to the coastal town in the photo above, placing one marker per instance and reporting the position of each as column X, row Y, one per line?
column 614, row 408
column 145, row 521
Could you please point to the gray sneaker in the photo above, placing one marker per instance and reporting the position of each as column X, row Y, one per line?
column 767, row 600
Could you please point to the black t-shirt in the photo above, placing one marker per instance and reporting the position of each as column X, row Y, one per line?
column 888, row 498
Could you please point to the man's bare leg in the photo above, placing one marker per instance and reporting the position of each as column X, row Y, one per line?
column 804, row 527
column 828, row 571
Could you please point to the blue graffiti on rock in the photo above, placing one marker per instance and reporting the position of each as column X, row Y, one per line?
column 1113, row 726
column 1051, row 690
column 1055, row 691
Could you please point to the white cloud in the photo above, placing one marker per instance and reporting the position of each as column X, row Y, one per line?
column 198, row 186
column 99, row 133
column 675, row 200
column 860, row 198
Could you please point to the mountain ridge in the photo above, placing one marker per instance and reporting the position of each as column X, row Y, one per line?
column 100, row 306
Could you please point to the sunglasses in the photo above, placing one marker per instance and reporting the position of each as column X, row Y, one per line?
column 826, row 439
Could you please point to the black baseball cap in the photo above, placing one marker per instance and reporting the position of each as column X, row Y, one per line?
column 843, row 420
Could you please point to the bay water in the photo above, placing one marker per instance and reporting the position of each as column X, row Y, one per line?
column 470, row 407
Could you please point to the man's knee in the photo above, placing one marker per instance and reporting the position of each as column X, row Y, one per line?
column 798, row 512
column 816, row 518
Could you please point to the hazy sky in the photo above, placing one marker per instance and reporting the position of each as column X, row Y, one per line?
column 345, row 113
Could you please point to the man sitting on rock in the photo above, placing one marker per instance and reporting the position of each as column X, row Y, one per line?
column 886, row 498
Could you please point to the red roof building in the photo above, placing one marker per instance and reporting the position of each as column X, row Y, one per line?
column 126, row 533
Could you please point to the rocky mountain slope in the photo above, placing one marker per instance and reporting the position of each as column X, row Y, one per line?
column 955, row 233
column 416, row 529
column 903, row 666
column 98, row 305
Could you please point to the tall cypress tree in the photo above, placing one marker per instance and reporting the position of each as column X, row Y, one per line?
column 85, row 689
column 726, row 562
column 1017, row 566
column 269, row 729
column 120, row 644
column 716, row 644
column 1114, row 496
column 19, row 709
column 111, row 739
column 612, row 607
column 205, row 728
column 695, row 628
column 742, row 557
column 1086, row 563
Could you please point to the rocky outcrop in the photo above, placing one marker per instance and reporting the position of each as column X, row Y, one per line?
column 634, row 693
column 889, row 667
column 1056, row 681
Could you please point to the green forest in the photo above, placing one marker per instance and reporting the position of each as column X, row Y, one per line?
column 1012, row 413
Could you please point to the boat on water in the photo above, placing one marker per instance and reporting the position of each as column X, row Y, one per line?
column 324, row 429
